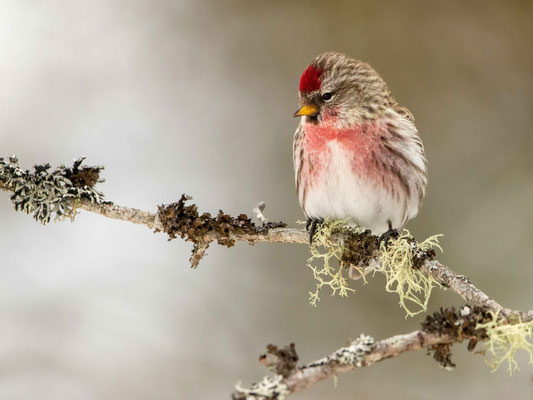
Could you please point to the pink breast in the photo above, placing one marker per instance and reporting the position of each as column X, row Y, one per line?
column 360, row 143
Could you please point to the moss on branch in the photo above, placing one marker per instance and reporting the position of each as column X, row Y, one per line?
column 503, row 337
column 184, row 221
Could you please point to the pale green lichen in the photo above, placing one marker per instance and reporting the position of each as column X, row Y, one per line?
column 506, row 338
column 411, row 284
column 400, row 262
column 327, row 274
column 47, row 194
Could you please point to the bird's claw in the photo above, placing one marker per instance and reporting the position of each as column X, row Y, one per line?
column 312, row 224
column 387, row 236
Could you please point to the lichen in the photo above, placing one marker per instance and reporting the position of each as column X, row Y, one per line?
column 326, row 274
column 400, row 260
column 271, row 388
column 505, row 339
column 356, row 351
column 353, row 354
column 442, row 353
column 183, row 220
column 458, row 325
column 46, row 194
column 280, row 360
column 360, row 247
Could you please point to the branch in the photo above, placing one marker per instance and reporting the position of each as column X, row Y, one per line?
column 122, row 213
column 439, row 331
column 458, row 283
column 179, row 219
column 64, row 191
column 362, row 352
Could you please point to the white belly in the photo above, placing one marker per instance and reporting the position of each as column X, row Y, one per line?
column 341, row 193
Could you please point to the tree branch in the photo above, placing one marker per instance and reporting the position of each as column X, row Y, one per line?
column 179, row 219
column 133, row 215
column 458, row 283
column 439, row 331
column 362, row 352
column 64, row 191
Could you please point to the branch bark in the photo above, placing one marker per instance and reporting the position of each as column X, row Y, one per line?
column 442, row 274
column 343, row 360
column 66, row 190
column 458, row 283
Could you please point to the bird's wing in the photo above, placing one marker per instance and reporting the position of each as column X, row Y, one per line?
column 403, row 111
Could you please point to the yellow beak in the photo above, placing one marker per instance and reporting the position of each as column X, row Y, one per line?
column 308, row 110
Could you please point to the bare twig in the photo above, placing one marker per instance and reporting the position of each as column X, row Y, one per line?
column 122, row 213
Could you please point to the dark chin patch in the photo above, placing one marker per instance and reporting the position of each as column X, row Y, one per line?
column 312, row 119
column 310, row 80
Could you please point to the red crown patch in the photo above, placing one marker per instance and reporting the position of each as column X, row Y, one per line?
column 310, row 79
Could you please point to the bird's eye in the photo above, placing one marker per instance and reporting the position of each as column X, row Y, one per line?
column 327, row 96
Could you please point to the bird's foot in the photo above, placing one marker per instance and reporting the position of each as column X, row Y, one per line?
column 387, row 236
column 312, row 224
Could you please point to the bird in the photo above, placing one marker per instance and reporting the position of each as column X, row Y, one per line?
column 357, row 154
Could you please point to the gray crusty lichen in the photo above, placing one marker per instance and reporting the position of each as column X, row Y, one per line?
column 356, row 351
column 353, row 354
column 283, row 362
column 280, row 360
column 271, row 387
column 46, row 193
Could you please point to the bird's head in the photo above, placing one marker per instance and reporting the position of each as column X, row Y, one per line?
column 341, row 89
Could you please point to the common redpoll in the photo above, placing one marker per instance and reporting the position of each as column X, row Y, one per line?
column 357, row 154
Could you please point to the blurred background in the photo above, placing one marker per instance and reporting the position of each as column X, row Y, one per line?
column 196, row 97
